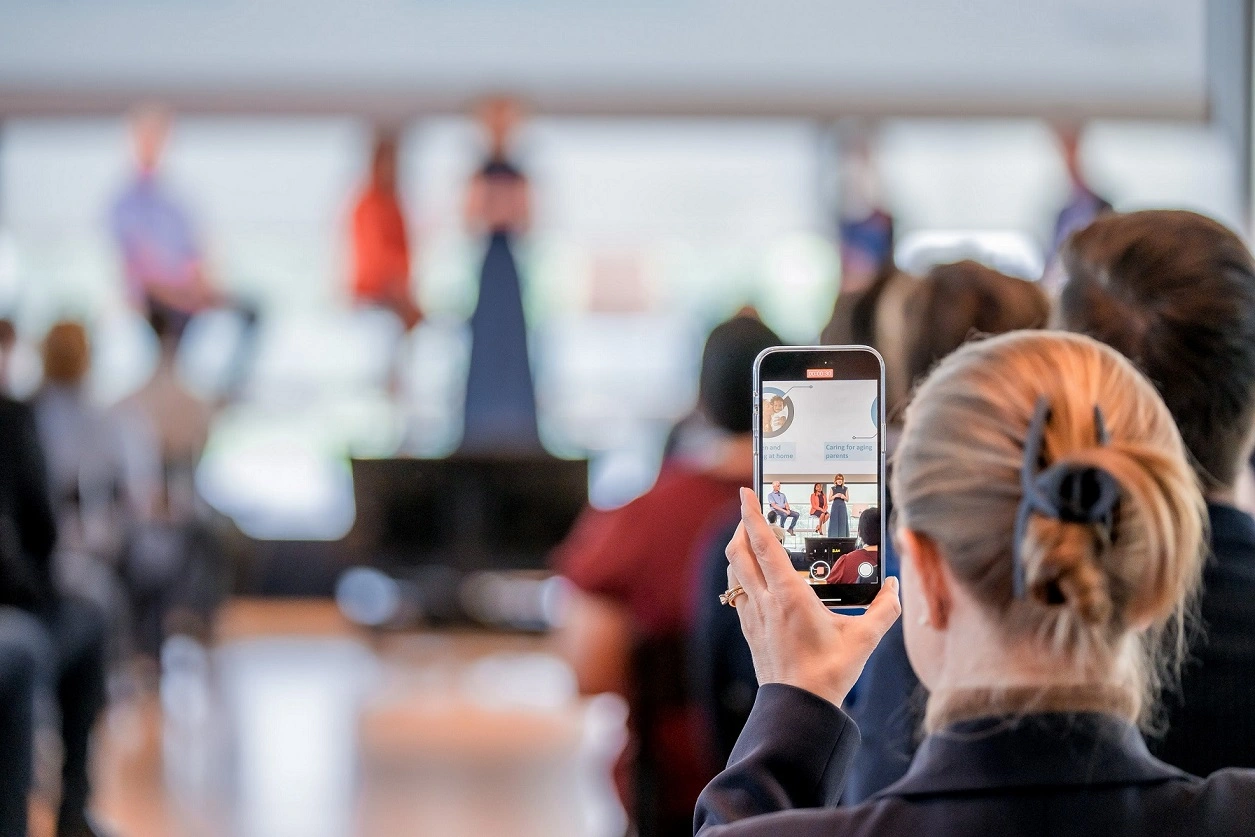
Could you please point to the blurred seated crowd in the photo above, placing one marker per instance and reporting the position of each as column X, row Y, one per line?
column 1135, row 620
column 105, row 551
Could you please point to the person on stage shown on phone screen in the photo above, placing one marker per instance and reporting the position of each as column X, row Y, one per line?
column 779, row 503
column 838, row 497
column 819, row 508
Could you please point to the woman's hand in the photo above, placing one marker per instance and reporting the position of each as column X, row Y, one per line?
column 793, row 637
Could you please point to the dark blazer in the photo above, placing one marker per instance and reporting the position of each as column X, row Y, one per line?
column 28, row 530
column 1051, row 774
column 1211, row 724
column 720, row 665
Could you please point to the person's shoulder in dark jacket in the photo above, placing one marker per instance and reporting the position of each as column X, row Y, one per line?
column 720, row 664
column 29, row 527
column 1064, row 775
column 1211, row 722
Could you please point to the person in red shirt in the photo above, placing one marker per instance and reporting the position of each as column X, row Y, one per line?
column 633, row 573
column 381, row 249
column 845, row 571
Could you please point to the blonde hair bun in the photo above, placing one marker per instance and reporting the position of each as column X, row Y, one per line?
column 958, row 478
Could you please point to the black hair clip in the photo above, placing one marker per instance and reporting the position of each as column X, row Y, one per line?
column 1063, row 491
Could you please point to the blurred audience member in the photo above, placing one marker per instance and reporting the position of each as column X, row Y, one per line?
column 87, row 474
column 866, row 240
column 19, row 670
column 633, row 571
column 172, row 565
column 500, row 412
column 694, row 435
column 846, row 570
column 161, row 256
column 1083, row 204
column 8, row 339
column 955, row 302
column 381, row 248
column 74, row 630
column 876, row 319
column 1175, row 292
column 168, row 428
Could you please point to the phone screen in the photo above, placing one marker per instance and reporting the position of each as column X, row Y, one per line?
column 820, row 454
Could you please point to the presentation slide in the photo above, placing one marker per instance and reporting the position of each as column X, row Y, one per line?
column 815, row 429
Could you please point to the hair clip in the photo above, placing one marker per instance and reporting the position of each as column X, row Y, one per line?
column 1063, row 491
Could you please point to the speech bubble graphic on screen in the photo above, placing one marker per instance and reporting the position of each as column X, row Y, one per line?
column 778, row 410
column 875, row 419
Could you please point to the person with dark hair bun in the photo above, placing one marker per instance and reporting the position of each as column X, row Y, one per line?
column 849, row 567
column 954, row 302
column 1175, row 293
column 633, row 570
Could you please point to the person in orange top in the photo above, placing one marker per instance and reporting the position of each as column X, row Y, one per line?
column 381, row 249
column 819, row 508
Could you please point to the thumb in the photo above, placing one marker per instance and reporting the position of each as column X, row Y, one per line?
column 884, row 610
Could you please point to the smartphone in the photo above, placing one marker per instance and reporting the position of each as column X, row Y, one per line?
column 819, row 432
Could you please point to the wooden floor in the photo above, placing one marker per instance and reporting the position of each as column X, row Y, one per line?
column 294, row 724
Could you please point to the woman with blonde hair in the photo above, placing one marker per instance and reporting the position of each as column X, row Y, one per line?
column 1052, row 536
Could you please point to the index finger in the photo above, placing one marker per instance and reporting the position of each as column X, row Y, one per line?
column 776, row 567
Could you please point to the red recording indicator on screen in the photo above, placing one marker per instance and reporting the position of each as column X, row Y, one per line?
column 818, row 373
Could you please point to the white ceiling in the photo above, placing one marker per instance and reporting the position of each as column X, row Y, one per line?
column 1112, row 57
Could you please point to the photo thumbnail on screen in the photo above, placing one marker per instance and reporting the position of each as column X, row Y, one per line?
column 820, row 465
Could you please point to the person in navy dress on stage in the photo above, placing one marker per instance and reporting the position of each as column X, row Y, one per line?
column 839, row 515
column 500, row 412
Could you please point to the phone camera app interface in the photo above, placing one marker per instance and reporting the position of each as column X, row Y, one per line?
column 821, row 475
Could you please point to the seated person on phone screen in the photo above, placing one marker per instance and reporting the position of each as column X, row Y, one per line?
column 846, row 570
column 773, row 520
column 779, row 503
